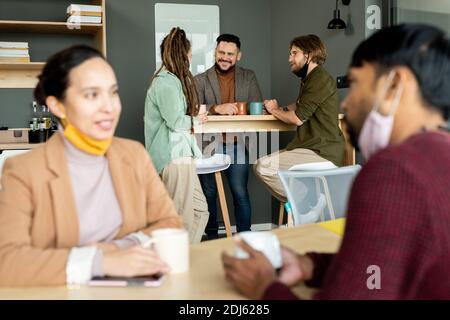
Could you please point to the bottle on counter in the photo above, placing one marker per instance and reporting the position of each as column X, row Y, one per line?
column 36, row 117
column 42, row 124
column 38, row 125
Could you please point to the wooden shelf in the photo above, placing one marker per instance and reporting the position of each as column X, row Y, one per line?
column 20, row 75
column 21, row 65
column 49, row 27
column 19, row 146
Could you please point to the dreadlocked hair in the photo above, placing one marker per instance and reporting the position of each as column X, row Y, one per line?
column 174, row 53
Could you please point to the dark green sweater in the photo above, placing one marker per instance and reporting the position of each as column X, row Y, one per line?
column 317, row 107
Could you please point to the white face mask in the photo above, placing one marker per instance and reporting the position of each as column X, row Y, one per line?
column 377, row 128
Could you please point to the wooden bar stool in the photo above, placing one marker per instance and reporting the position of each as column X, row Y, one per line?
column 216, row 164
column 281, row 214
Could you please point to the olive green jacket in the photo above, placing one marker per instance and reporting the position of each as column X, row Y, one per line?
column 317, row 107
column 168, row 133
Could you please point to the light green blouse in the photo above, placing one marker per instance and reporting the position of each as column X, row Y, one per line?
column 167, row 127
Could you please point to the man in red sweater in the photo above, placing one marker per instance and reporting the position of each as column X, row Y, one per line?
column 398, row 221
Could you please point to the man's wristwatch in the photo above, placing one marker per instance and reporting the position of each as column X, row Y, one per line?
column 285, row 108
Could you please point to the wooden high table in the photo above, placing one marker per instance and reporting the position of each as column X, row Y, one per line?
column 264, row 123
column 239, row 124
column 205, row 279
column 242, row 124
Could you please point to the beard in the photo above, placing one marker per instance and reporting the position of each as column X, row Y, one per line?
column 230, row 69
column 364, row 104
column 353, row 135
column 302, row 72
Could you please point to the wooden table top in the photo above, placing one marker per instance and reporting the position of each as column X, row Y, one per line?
column 242, row 124
column 204, row 281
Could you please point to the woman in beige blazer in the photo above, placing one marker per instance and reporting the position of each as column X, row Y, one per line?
column 82, row 204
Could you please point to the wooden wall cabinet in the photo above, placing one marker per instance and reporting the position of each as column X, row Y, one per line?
column 24, row 75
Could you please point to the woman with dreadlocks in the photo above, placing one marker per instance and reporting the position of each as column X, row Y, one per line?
column 171, row 111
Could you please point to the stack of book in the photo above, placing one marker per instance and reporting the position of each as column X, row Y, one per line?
column 14, row 52
column 84, row 14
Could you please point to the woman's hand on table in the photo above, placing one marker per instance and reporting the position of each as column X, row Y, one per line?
column 133, row 262
column 252, row 276
column 226, row 109
column 296, row 268
column 271, row 105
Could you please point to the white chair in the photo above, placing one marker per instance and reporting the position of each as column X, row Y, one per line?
column 216, row 164
column 313, row 166
column 315, row 194
column 8, row 154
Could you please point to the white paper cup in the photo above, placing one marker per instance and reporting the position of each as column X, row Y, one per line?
column 172, row 246
column 266, row 242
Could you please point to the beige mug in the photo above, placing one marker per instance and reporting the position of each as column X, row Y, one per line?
column 172, row 247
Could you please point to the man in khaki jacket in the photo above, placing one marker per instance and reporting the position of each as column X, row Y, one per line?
column 315, row 113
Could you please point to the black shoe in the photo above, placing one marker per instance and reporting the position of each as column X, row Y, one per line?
column 213, row 236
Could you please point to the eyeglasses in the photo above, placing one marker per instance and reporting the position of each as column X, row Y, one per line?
column 293, row 53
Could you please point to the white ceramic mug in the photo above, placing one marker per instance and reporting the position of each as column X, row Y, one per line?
column 202, row 109
column 266, row 242
column 172, row 246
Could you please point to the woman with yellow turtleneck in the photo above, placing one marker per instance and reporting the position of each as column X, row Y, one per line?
column 82, row 204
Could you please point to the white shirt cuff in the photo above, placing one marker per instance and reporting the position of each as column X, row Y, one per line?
column 79, row 265
column 126, row 242
column 140, row 237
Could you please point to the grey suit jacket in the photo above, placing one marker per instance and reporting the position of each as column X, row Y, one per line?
column 246, row 87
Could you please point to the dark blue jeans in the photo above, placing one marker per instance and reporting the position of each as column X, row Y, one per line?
column 237, row 175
